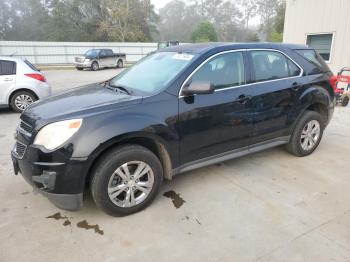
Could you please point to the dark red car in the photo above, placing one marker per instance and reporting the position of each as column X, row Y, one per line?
column 341, row 85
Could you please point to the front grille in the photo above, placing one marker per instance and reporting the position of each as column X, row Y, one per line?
column 26, row 127
column 78, row 59
column 20, row 149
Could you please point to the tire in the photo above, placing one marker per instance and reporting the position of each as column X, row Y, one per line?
column 120, row 64
column 345, row 101
column 79, row 68
column 109, row 190
column 95, row 66
column 303, row 146
column 21, row 100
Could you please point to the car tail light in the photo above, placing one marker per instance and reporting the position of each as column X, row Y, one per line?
column 37, row 77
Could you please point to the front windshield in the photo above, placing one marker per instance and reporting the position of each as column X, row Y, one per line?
column 92, row 53
column 162, row 45
column 153, row 73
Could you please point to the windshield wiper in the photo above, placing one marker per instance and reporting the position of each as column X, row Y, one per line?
column 120, row 87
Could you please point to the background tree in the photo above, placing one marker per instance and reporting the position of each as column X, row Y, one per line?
column 136, row 20
column 249, row 10
column 78, row 20
column 177, row 21
column 278, row 26
column 204, row 32
column 5, row 19
column 267, row 11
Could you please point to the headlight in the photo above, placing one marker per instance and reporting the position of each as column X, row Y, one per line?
column 56, row 134
column 87, row 60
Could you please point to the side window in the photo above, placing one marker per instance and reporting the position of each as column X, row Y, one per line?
column 293, row 69
column 270, row 65
column 109, row 52
column 102, row 53
column 7, row 68
column 223, row 71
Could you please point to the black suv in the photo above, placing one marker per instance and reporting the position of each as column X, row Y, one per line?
column 181, row 108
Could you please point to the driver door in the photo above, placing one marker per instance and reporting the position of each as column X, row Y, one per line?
column 220, row 122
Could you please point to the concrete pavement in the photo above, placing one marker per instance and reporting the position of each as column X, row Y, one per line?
column 270, row 206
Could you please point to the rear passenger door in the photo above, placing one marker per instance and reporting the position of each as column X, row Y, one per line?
column 110, row 58
column 220, row 122
column 103, row 59
column 7, row 79
column 276, row 81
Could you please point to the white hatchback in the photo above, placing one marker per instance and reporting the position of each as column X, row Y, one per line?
column 21, row 83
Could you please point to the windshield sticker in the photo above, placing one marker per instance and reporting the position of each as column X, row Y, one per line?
column 182, row 56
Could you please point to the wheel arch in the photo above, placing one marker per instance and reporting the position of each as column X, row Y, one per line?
column 149, row 141
column 320, row 108
column 20, row 90
column 318, row 99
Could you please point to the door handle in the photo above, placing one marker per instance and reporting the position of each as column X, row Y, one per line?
column 8, row 79
column 295, row 86
column 242, row 99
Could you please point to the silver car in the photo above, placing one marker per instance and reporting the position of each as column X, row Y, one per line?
column 21, row 83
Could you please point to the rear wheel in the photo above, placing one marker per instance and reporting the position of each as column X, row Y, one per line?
column 120, row 64
column 307, row 134
column 126, row 180
column 345, row 101
column 21, row 100
column 95, row 66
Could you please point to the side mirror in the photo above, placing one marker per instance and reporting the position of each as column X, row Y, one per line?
column 198, row 88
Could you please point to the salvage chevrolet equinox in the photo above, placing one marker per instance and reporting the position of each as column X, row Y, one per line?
column 181, row 108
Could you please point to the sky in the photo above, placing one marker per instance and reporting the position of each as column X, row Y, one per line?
column 159, row 3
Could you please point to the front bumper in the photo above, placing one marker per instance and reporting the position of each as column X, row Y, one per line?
column 60, row 179
column 85, row 64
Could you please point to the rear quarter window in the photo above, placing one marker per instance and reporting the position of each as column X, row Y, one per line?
column 31, row 65
column 7, row 67
column 272, row 65
column 313, row 58
column 109, row 52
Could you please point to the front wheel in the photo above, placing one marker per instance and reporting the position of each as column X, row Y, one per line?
column 307, row 134
column 95, row 66
column 120, row 64
column 126, row 180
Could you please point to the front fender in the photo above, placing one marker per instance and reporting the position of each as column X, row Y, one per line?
column 98, row 135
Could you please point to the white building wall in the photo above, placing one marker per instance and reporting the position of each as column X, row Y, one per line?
column 305, row 17
column 64, row 52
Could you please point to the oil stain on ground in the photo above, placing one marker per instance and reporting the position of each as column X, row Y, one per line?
column 58, row 216
column 175, row 197
column 84, row 224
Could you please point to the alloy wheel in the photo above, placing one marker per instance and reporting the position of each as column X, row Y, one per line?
column 130, row 184
column 94, row 66
column 23, row 101
column 310, row 135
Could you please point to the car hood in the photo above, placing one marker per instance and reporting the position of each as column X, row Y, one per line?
column 85, row 100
